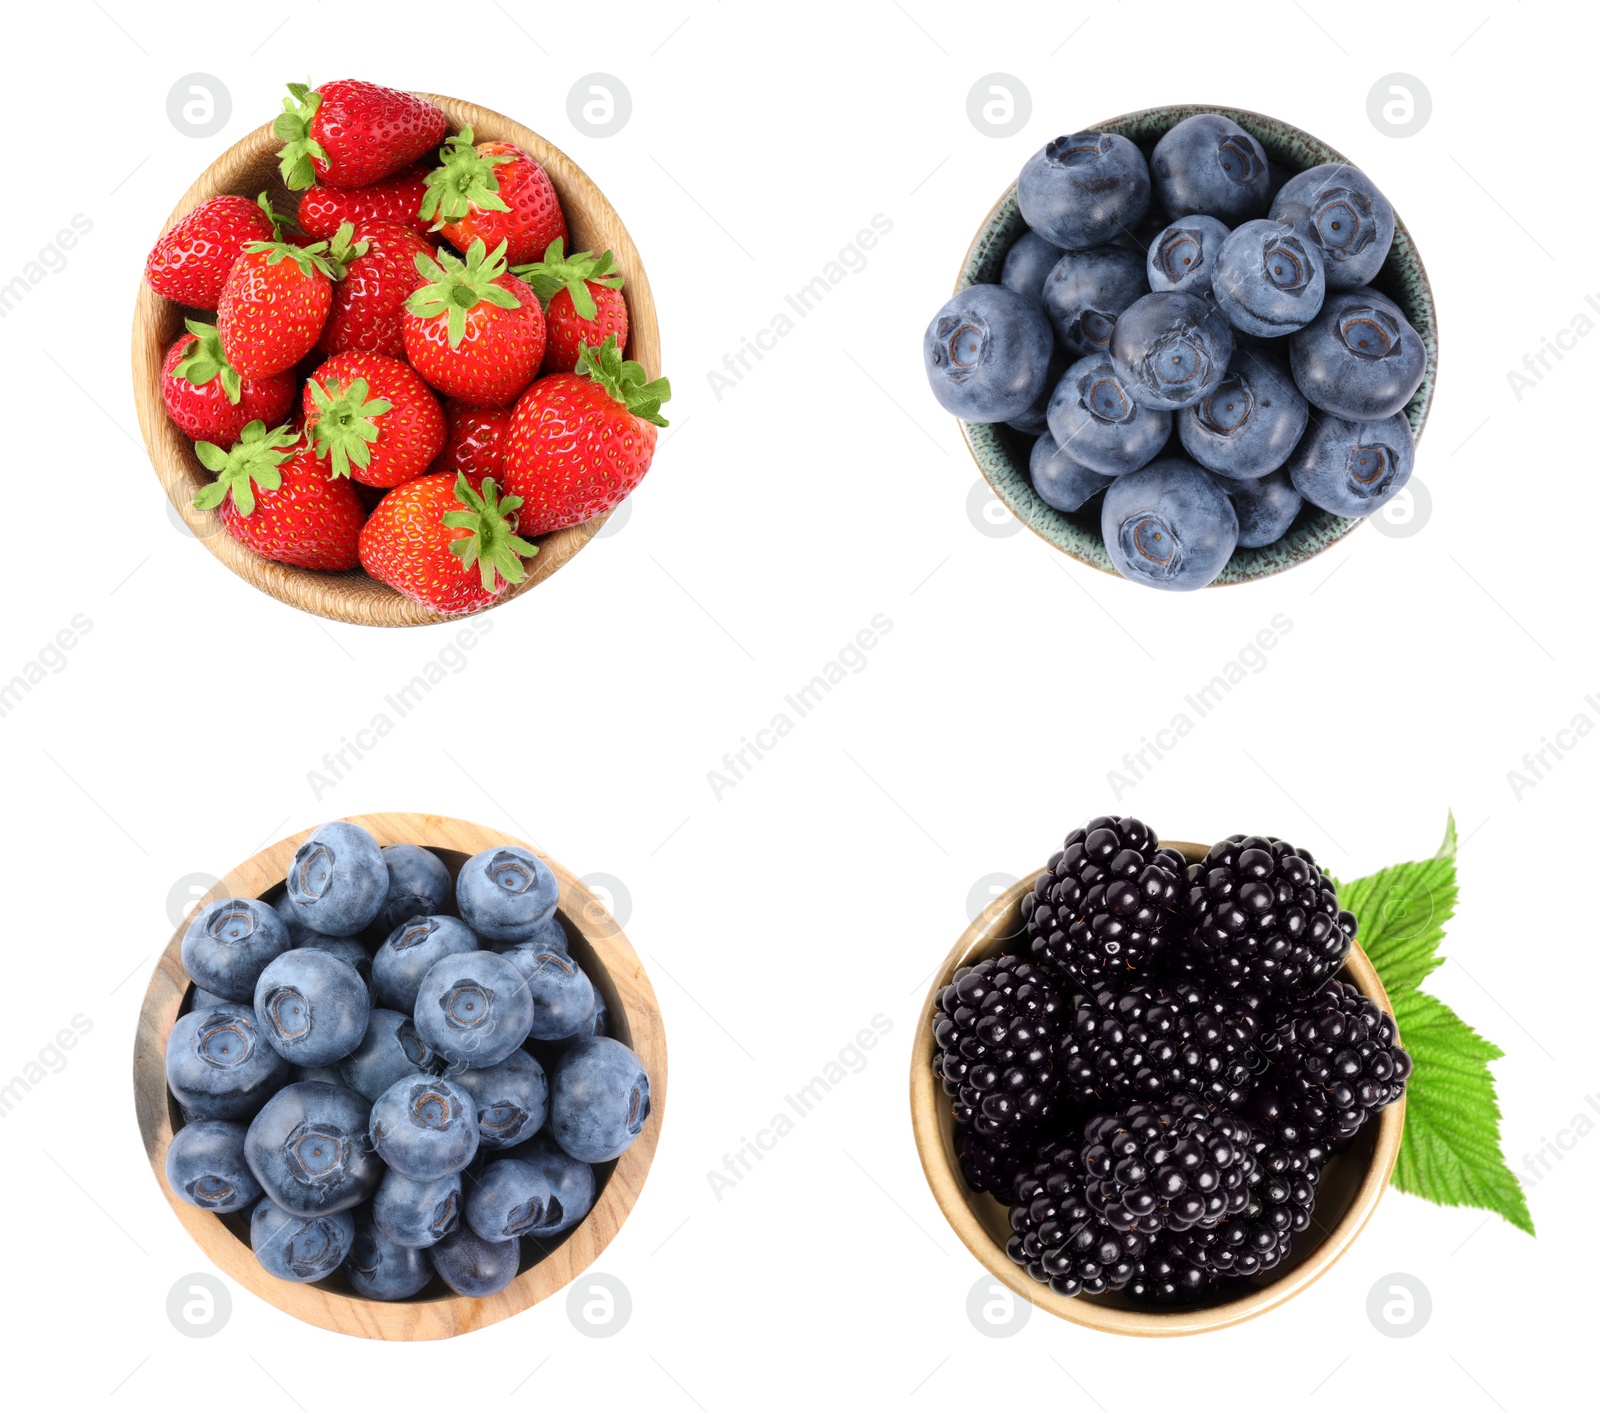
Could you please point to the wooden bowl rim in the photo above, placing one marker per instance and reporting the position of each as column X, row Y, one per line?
column 984, row 938
column 352, row 596
column 444, row 1317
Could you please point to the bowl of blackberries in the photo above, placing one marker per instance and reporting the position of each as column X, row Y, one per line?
column 1189, row 346
column 1158, row 1088
column 401, row 1076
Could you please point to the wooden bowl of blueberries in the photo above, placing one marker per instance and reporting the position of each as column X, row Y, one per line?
column 401, row 1076
column 1189, row 346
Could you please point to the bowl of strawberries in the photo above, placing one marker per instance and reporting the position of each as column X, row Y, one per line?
column 395, row 357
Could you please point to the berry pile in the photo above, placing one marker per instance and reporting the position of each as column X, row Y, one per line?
column 1194, row 337
column 1155, row 1090
column 415, row 376
column 394, row 1074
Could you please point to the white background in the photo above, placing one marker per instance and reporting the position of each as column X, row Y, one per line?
column 778, row 520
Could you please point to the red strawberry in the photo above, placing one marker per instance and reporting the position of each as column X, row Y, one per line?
column 473, row 331
column 190, row 263
column 278, row 499
column 474, row 441
column 445, row 545
column 350, row 133
column 207, row 400
column 324, row 209
column 493, row 192
column 582, row 304
column 275, row 303
column 369, row 303
column 372, row 418
column 579, row 442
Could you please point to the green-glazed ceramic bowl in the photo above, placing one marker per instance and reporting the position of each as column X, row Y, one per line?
column 1002, row 454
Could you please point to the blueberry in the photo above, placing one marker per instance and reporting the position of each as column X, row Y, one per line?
column 472, row 1266
column 1182, row 257
column 474, row 1009
column 312, row 1007
column 338, row 880
column 419, row 884
column 1268, row 280
column 199, row 999
column 510, row 1199
column 1249, row 423
column 1083, row 189
column 228, row 944
column 1359, row 359
column 1029, row 260
column 512, row 1099
column 987, row 354
column 409, row 951
column 425, row 1126
column 1168, row 526
column 390, row 1051
column 1171, row 349
column 1095, row 420
column 1339, row 208
column 549, row 1052
column 561, row 992
column 219, row 1064
column 599, row 1100
column 299, row 1248
column 346, row 949
column 381, row 1269
column 1060, row 481
column 1266, row 508
column 1353, row 468
column 1087, row 290
column 412, row 1213
column 505, row 894
column 571, row 1184
column 1036, row 419
column 309, row 1150
column 299, row 933
column 206, row 1166
column 1208, row 165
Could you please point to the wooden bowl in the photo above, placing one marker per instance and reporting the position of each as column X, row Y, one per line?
column 1352, row 1184
column 250, row 167
column 597, row 943
column 1002, row 453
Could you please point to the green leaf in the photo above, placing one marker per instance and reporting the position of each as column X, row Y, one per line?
column 345, row 423
column 573, row 273
column 463, row 181
column 624, row 380
column 494, row 544
column 1402, row 912
column 455, row 286
column 293, row 127
column 205, row 360
column 250, row 465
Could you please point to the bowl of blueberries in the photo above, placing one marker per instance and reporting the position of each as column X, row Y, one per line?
column 401, row 1076
column 1189, row 346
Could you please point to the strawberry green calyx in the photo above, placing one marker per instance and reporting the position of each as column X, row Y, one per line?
column 344, row 248
column 252, row 464
column 280, row 222
column 307, row 258
column 293, row 126
column 463, row 179
column 346, row 424
column 624, row 380
column 205, row 360
column 455, row 286
column 573, row 273
column 494, row 543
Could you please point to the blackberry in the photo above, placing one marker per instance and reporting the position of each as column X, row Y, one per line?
column 1100, row 913
column 1166, row 1277
column 1161, row 1039
column 998, row 1027
column 1168, row 1166
column 1276, row 1121
column 1259, row 913
column 1059, row 1238
column 1283, row 1189
column 1336, row 1061
column 992, row 1164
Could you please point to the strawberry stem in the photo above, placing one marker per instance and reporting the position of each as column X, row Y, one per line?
column 345, row 423
column 463, row 179
column 573, row 273
column 250, row 465
column 307, row 258
column 624, row 380
column 455, row 286
column 494, row 544
column 205, row 360
column 293, row 126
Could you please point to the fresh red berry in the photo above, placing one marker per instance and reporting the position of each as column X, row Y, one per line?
column 473, row 331
column 350, row 133
column 324, row 209
column 277, row 499
column 493, row 192
column 190, row 263
column 372, row 418
column 207, row 400
column 582, row 300
column 447, row 546
column 275, row 303
column 367, row 311
column 580, row 442
column 474, row 442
